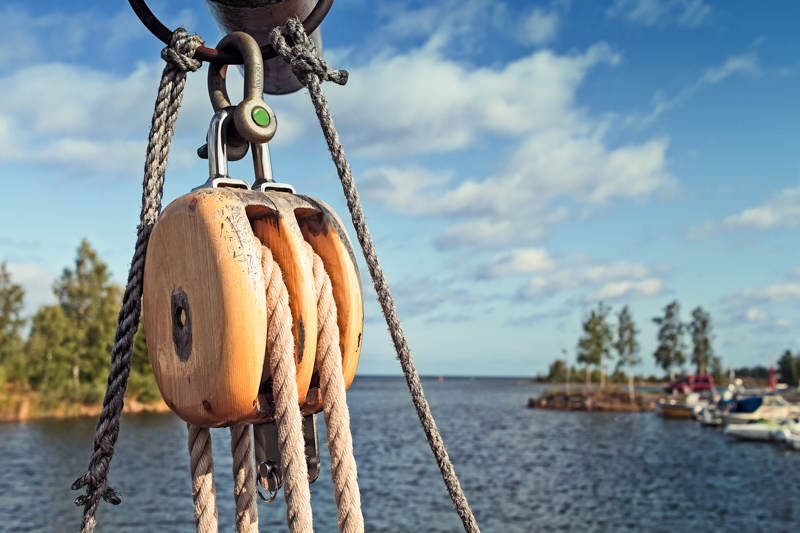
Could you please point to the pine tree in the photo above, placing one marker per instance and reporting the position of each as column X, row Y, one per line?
column 70, row 343
column 789, row 367
column 700, row 329
column 669, row 352
column 595, row 344
column 627, row 346
column 12, row 364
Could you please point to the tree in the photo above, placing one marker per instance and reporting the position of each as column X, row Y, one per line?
column 700, row 329
column 142, row 383
column 595, row 344
column 12, row 362
column 789, row 367
column 627, row 346
column 70, row 343
column 669, row 352
column 52, row 352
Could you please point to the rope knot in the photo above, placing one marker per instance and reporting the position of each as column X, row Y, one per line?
column 302, row 56
column 180, row 51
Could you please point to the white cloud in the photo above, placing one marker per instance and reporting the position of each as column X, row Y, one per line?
column 540, row 27
column 37, row 284
column 756, row 315
column 97, row 126
column 686, row 13
column 781, row 211
column 785, row 292
column 745, row 64
column 420, row 102
column 626, row 290
column 519, row 261
column 610, row 281
column 405, row 190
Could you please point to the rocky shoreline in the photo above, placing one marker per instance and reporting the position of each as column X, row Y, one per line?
column 613, row 400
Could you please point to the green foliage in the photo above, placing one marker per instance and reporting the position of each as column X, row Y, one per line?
column 627, row 346
column 557, row 372
column 597, row 339
column 12, row 362
column 68, row 349
column 669, row 352
column 755, row 372
column 789, row 367
column 67, row 354
column 90, row 302
column 52, row 352
column 142, row 383
column 717, row 371
column 700, row 329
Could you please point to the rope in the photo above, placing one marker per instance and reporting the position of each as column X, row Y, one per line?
column 244, row 483
column 204, row 493
column 179, row 58
column 309, row 69
column 291, row 443
column 337, row 416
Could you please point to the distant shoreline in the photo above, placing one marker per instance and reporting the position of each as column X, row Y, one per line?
column 613, row 399
column 26, row 406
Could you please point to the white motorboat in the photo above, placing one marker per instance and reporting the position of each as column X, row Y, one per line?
column 753, row 408
column 763, row 430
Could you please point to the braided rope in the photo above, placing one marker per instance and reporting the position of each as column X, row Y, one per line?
column 244, row 483
column 291, row 443
column 337, row 415
column 204, row 492
column 179, row 58
column 309, row 69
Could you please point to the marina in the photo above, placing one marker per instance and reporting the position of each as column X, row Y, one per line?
column 526, row 469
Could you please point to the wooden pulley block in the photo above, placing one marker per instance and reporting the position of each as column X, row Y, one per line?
column 205, row 304
column 204, row 307
column 323, row 229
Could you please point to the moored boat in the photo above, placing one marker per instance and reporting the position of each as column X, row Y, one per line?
column 768, row 406
column 762, row 430
column 691, row 407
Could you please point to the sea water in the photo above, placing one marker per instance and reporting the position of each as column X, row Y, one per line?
column 523, row 470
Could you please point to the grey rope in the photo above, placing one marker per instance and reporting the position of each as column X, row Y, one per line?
column 310, row 70
column 179, row 58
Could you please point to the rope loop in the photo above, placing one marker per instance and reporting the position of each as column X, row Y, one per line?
column 302, row 56
column 180, row 51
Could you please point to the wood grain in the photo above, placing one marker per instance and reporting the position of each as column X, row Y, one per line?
column 280, row 232
column 203, row 246
column 325, row 233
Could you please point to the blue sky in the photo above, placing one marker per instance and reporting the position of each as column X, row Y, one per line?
column 518, row 162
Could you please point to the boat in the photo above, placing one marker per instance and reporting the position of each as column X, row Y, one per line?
column 769, row 406
column 789, row 435
column 690, row 408
column 711, row 415
column 761, row 430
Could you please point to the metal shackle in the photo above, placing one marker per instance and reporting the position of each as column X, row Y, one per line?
column 254, row 120
column 218, row 155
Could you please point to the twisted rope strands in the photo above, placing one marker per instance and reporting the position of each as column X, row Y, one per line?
column 204, row 492
column 280, row 350
column 309, row 69
column 337, row 415
column 179, row 57
column 244, row 482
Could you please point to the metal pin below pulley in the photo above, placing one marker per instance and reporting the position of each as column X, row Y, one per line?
column 268, row 470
